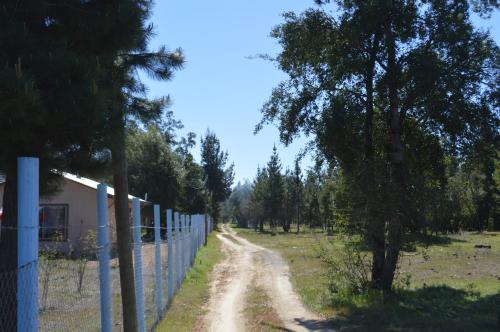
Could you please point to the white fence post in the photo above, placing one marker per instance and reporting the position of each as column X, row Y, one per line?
column 204, row 229
column 184, row 247
column 193, row 251
column 158, row 268
column 190, row 240
column 177, row 252
column 198, row 233
column 181, row 248
column 104, row 268
column 170, row 258
column 27, row 243
column 183, row 237
column 139, row 284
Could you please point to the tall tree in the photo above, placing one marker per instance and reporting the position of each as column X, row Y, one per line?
column 122, row 52
column 364, row 82
column 218, row 175
column 275, row 190
column 259, row 196
column 297, row 191
column 193, row 195
column 50, row 106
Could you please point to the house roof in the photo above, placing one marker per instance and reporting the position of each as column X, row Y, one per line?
column 93, row 184
column 85, row 182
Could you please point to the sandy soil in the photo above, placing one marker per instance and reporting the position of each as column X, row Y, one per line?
column 232, row 276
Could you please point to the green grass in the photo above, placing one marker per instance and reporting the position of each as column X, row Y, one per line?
column 452, row 286
column 188, row 305
column 259, row 312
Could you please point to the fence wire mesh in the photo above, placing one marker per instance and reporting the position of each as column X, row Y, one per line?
column 164, row 273
column 69, row 291
column 68, row 294
column 10, row 281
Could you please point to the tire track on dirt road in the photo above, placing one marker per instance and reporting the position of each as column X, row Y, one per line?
column 232, row 277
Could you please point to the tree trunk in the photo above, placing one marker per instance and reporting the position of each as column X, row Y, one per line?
column 298, row 220
column 123, row 234
column 376, row 232
column 8, row 251
column 397, row 182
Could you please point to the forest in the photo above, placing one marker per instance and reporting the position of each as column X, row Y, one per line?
column 398, row 100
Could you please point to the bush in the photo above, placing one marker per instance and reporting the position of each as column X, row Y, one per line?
column 348, row 270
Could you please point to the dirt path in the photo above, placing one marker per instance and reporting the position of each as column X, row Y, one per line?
column 232, row 277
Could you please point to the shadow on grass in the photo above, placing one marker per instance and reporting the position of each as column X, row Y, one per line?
column 315, row 325
column 412, row 240
column 437, row 308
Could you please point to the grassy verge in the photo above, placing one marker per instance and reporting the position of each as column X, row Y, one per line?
column 448, row 284
column 188, row 305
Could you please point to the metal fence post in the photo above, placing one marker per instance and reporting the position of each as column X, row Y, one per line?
column 204, row 230
column 198, row 235
column 185, row 250
column 177, row 251
column 199, row 232
column 181, row 248
column 183, row 253
column 170, row 258
column 192, row 218
column 188, row 254
column 158, row 267
column 104, row 268
column 139, row 284
column 27, row 243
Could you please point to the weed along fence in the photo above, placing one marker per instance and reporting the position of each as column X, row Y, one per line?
column 50, row 291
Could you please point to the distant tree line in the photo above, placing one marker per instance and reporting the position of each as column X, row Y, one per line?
column 321, row 198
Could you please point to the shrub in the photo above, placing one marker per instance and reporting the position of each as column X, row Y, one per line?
column 348, row 270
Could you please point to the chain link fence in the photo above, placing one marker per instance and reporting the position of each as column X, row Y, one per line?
column 56, row 288
column 69, row 287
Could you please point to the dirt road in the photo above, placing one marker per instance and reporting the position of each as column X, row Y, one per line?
column 232, row 277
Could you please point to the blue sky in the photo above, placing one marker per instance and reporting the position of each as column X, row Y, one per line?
column 220, row 87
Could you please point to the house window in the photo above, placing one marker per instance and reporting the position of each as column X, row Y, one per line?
column 53, row 222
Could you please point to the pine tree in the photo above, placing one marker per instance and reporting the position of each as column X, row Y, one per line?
column 275, row 189
column 259, row 197
column 297, row 191
column 218, row 175
column 193, row 195
column 50, row 105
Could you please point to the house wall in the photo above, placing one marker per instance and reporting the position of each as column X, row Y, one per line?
column 82, row 212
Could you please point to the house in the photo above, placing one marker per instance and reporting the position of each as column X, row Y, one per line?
column 67, row 216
